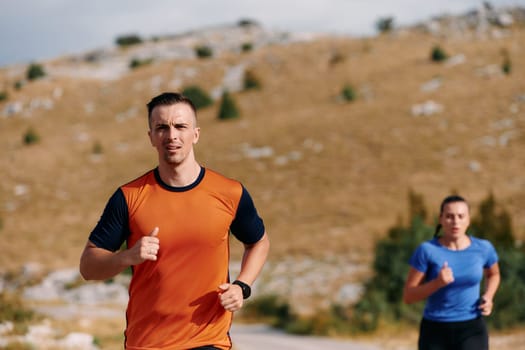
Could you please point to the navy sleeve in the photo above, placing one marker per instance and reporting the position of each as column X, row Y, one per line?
column 113, row 227
column 247, row 226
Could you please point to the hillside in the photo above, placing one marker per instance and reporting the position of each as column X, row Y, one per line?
column 330, row 177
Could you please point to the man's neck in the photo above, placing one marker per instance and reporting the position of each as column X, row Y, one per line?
column 179, row 175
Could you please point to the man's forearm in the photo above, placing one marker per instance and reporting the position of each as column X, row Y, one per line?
column 253, row 260
column 100, row 264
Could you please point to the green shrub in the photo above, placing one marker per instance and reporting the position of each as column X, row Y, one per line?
column 18, row 85
column 348, row 93
column 12, row 309
column 385, row 24
column 97, row 342
column 137, row 62
column 509, row 309
column 506, row 66
column 336, row 57
column 438, row 54
column 76, row 283
column 273, row 310
column 228, row 109
column 367, row 311
column 300, row 326
column 198, row 96
column 251, row 82
column 246, row 22
column 203, row 51
column 128, row 40
column 19, row 345
column 383, row 293
column 35, row 71
column 334, row 321
column 31, row 137
column 3, row 96
column 270, row 309
column 134, row 63
column 246, row 47
column 97, row 148
column 493, row 223
column 416, row 206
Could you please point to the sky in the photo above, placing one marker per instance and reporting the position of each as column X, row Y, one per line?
column 33, row 30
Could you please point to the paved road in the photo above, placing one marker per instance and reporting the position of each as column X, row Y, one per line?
column 261, row 337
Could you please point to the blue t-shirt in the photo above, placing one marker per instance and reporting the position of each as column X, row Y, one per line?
column 459, row 300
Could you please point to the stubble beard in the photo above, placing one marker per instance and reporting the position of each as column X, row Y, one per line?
column 172, row 159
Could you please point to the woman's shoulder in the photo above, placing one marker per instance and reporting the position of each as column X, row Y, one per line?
column 432, row 242
column 481, row 242
column 429, row 244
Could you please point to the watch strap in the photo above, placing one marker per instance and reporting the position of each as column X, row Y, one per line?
column 246, row 289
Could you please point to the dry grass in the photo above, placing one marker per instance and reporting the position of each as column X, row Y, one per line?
column 336, row 200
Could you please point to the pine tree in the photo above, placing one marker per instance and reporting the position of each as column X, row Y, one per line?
column 228, row 108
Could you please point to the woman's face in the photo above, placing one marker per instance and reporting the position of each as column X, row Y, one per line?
column 455, row 219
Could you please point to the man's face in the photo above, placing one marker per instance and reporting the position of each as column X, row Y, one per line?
column 173, row 132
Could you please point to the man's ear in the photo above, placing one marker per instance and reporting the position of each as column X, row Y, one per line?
column 149, row 136
column 197, row 135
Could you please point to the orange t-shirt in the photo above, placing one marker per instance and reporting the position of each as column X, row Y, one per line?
column 174, row 301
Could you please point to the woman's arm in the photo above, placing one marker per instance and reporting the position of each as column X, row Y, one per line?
column 492, row 280
column 415, row 290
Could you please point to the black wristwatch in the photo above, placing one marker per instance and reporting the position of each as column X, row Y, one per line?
column 246, row 289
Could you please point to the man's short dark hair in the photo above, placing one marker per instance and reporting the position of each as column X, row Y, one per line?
column 168, row 99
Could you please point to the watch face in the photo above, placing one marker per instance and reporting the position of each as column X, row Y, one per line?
column 246, row 292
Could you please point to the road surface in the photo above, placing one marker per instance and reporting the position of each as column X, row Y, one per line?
column 262, row 337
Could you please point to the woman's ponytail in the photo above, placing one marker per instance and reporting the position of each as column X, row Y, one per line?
column 436, row 233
